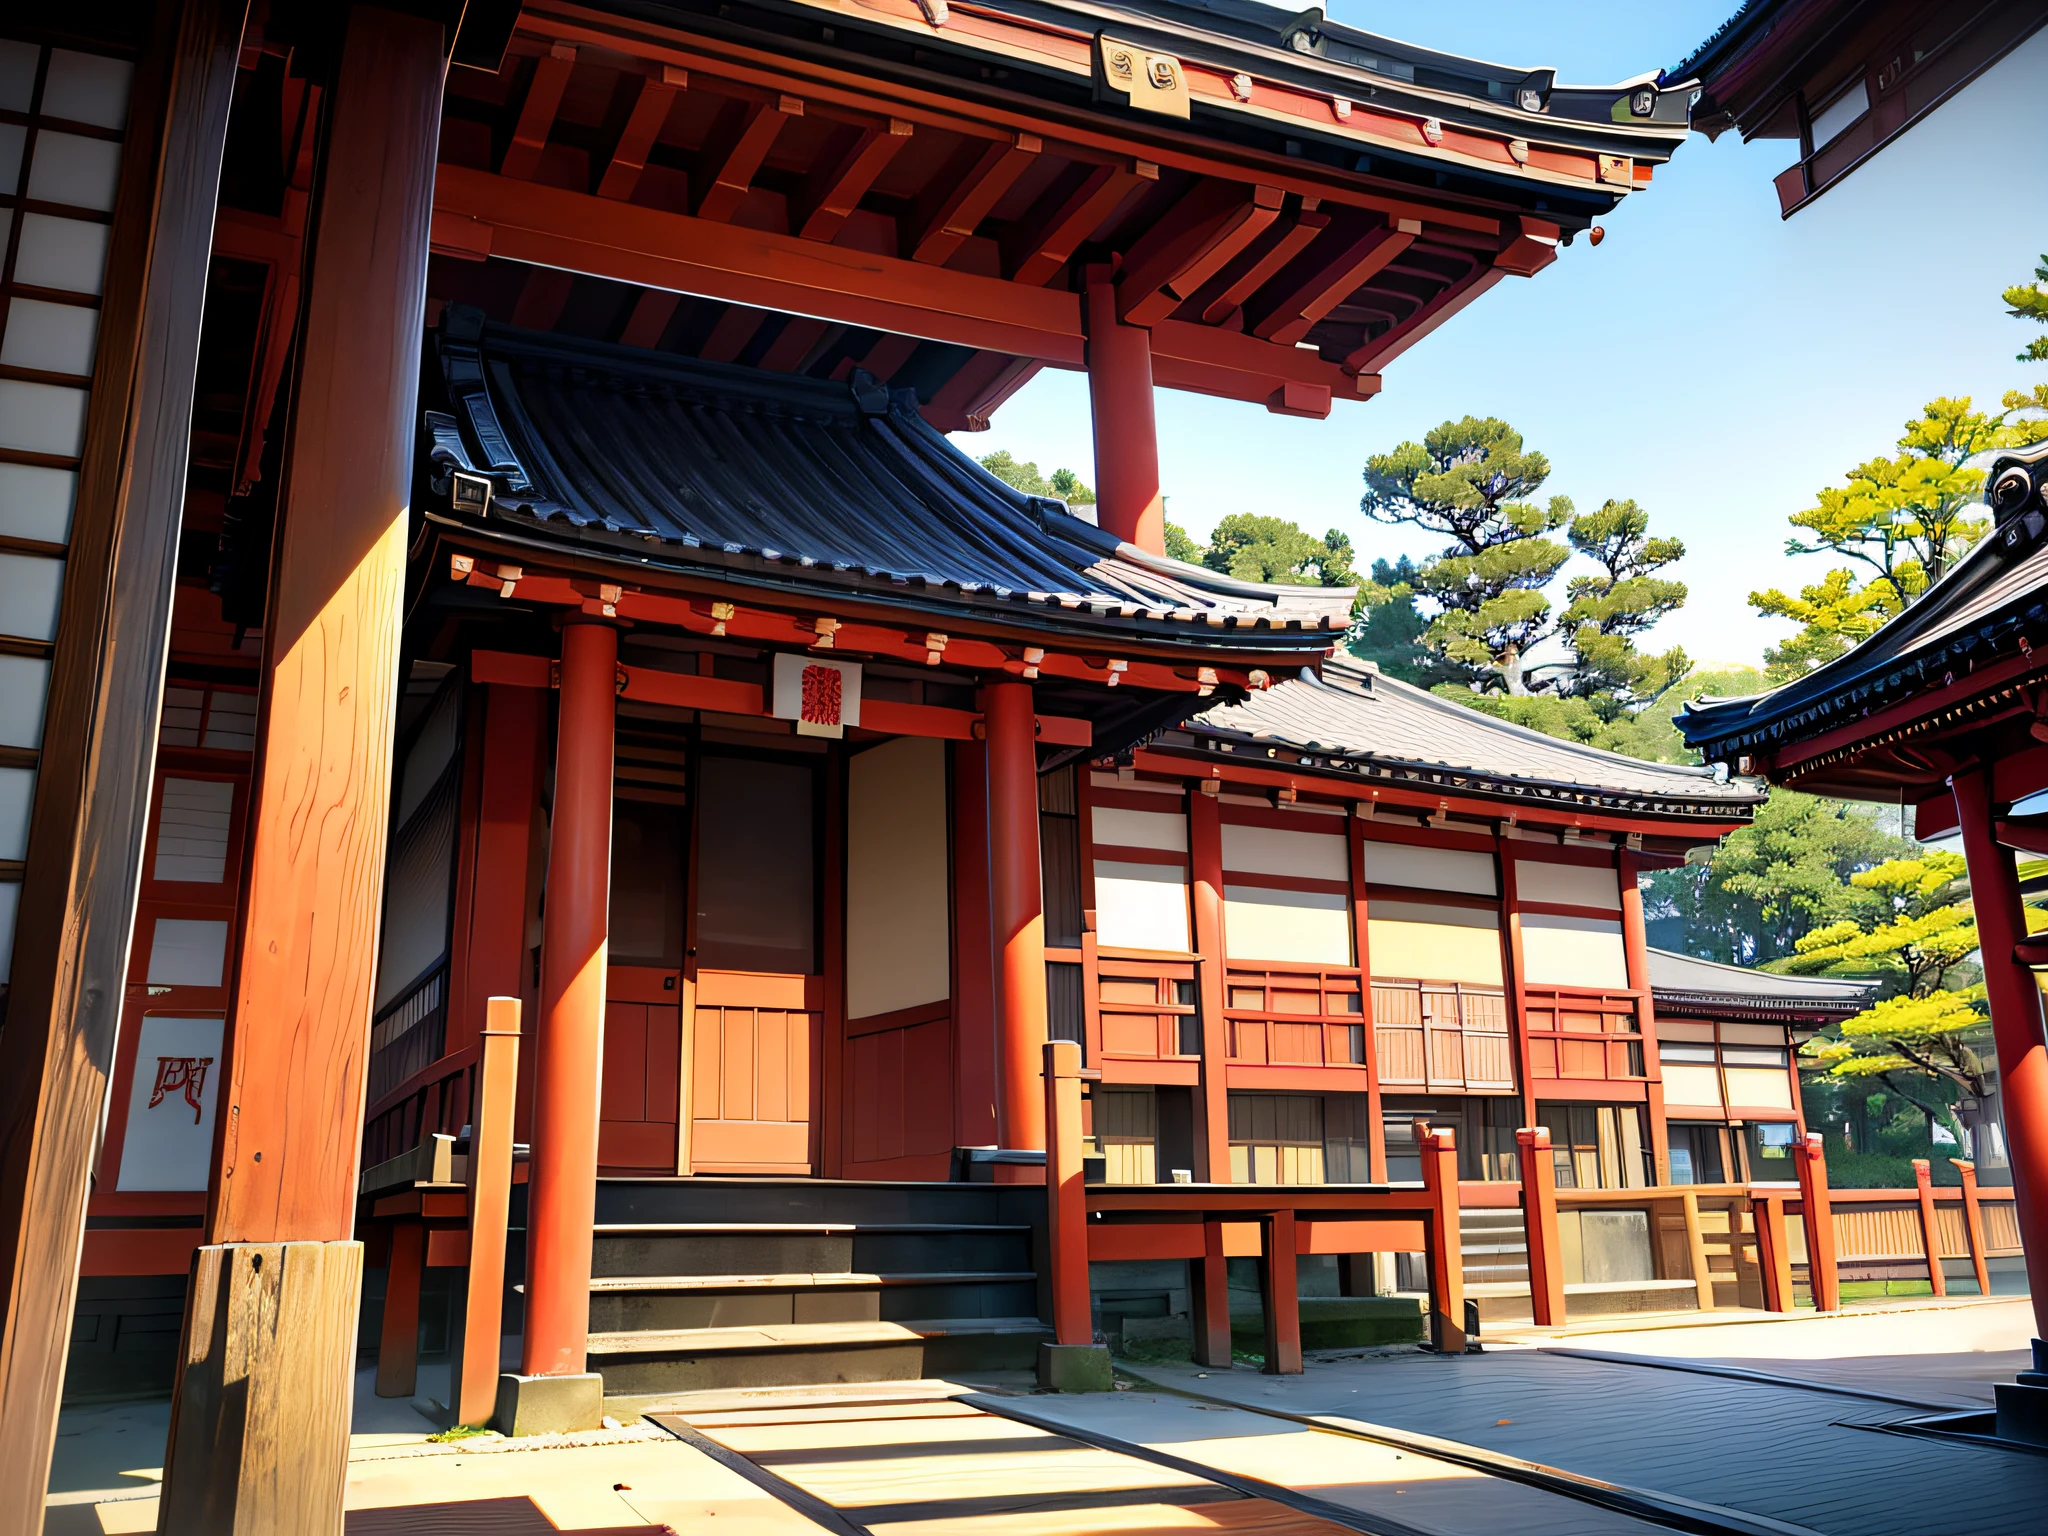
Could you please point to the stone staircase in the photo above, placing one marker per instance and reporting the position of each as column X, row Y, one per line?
column 1495, row 1251
column 715, row 1283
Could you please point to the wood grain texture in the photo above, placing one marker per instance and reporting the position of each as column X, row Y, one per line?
column 85, row 845
column 490, row 1205
column 259, row 1429
column 299, row 1038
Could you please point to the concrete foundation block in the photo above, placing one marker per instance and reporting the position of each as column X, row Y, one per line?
column 2022, row 1411
column 1074, row 1368
column 549, row 1405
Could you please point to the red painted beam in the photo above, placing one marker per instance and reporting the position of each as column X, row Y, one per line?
column 836, row 191
column 968, row 201
column 1291, row 242
column 733, row 162
column 537, row 113
column 1189, row 246
column 652, row 312
column 1287, row 319
column 1054, row 233
column 643, row 127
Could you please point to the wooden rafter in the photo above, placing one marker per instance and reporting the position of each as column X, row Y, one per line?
column 729, row 338
column 835, row 191
column 1300, row 304
column 542, row 298
column 731, row 163
column 1050, row 233
column 799, row 339
column 1290, row 243
column 963, row 205
column 967, row 400
column 1375, row 354
column 537, row 114
column 652, row 312
column 1189, row 246
column 882, row 359
column 643, row 127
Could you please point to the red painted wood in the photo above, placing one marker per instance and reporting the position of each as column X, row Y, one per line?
column 1280, row 1285
column 1539, row 1219
column 1930, row 1227
column 1820, row 1223
column 1773, row 1254
column 1209, row 1273
column 1446, row 1266
column 398, row 1347
column 974, row 978
column 1066, row 1215
column 1973, row 1223
column 2015, row 1024
column 1119, row 364
column 490, row 1200
column 1017, row 910
column 562, row 1199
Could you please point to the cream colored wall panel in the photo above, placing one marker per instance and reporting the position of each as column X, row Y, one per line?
column 1272, row 851
column 1413, row 939
column 1684, row 1029
column 1164, row 830
column 1755, row 1034
column 1570, row 885
column 1141, row 906
column 1760, row 1087
column 1573, row 952
column 1430, row 869
column 897, row 926
column 1310, row 927
column 1695, row 1087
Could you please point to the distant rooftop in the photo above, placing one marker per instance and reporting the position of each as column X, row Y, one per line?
column 1688, row 984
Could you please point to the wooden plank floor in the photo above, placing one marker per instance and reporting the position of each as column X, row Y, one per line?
column 903, row 1467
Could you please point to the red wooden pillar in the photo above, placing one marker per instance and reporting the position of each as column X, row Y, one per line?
column 974, row 981
column 1820, row 1222
column 1209, row 1281
column 1280, row 1282
column 1445, row 1253
column 1635, row 939
column 1930, row 1224
column 1128, row 503
column 1973, row 1223
column 2015, row 1000
column 1773, row 1252
column 1539, row 1221
column 1066, row 1200
column 398, row 1348
column 270, row 1319
column 1212, row 1096
column 490, row 1203
column 562, row 1175
column 1017, row 904
column 496, row 940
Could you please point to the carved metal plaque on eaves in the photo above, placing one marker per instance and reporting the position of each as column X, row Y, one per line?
column 1151, row 82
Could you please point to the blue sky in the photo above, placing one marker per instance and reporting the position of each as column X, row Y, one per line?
column 1709, row 359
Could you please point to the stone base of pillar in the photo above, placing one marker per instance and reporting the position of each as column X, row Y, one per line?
column 259, row 1423
column 1075, row 1368
column 2023, row 1404
column 549, row 1405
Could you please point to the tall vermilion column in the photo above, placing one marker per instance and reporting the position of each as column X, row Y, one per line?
column 2015, row 1024
column 1017, row 908
column 1128, row 503
column 1212, row 1097
column 562, row 1190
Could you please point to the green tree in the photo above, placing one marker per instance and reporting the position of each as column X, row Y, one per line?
column 1751, row 897
column 2029, row 302
column 1064, row 484
column 1180, row 546
column 1928, row 1031
column 1610, row 611
column 1387, row 627
column 1469, row 481
column 1832, row 614
column 1271, row 549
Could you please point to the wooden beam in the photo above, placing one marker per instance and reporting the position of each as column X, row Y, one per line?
column 549, row 226
column 729, row 337
column 85, row 847
column 537, row 112
column 731, row 163
column 1239, row 367
column 643, row 127
column 1375, row 354
column 1290, row 244
column 652, row 312
column 965, row 401
column 888, row 354
column 799, row 336
column 967, row 201
column 1303, row 302
column 1185, row 250
column 834, row 193
column 542, row 298
column 1050, row 237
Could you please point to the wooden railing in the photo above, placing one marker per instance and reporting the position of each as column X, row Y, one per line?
column 1582, row 1035
column 1144, row 1008
column 1442, row 1035
column 1282, row 1015
column 1880, row 1233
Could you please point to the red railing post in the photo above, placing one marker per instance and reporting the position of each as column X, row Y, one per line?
column 1930, row 1225
column 1820, row 1222
column 1209, row 1279
column 1066, row 1198
column 1281, row 1284
column 1773, row 1252
column 398, row 1344
column 490, row 1205
column 1973, row 1223
column 1539, row 1222
column 1445, row 1252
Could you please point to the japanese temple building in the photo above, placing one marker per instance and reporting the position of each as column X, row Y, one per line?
column 1941, row 709
column 491, row 460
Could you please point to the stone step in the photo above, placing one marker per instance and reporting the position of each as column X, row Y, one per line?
column 640, row 1365
column 850, row 1278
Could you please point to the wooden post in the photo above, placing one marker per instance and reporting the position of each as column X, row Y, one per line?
column 1066, row 1198
column 1511, row 914
column 1773, row 1254
column 1375, row 1119
column 561, row 1195
column 496, row 940
column 974, row 983
column 1930, row 1225
column 1280, row 1293
column 1973, row 1223
column 490, row 1202
column 2015, row 999
column 1212, row 1096
column 398, row 1346
column 1018, row 906
column 1126, row 435
column 1209, row 1282
column 1820, row 1222
column 1439, row 1150
column 93, row 770
column 1539, row 1222
column 1696, row 1250
column 259, row 1424
column 1635, row 941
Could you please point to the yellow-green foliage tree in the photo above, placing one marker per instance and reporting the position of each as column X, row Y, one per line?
column 1932, row 1028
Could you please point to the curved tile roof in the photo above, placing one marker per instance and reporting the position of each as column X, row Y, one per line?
column 1357, row 717
column 656, row 460
column 1711, row 986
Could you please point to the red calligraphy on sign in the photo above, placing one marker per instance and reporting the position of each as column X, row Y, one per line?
column 822, row 696
column 175, row 1073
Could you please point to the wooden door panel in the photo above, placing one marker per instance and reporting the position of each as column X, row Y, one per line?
column 751, row 1087
column 622, row 1094
column 637, row 1091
